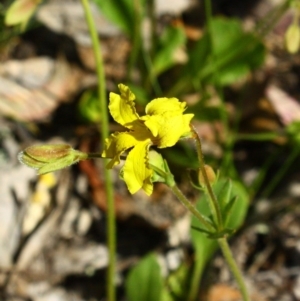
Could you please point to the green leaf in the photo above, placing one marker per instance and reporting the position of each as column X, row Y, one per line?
column 225, row 54
column 204, row 250
column 235, row 53
column 89, row 106
column 246, row 55
column 144, row 282
column 121, row 13
column 226, row 191
column 293, row 131
column 198, row 56
column 224, row 33
column 228, row 209
column 171, row 40
column 239, row 209
column 232, row 74
column 205, row 247
column 177, row 284
column 223, row 191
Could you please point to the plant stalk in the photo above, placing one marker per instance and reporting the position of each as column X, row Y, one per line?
column 136, row 38
column 234, row 267
column 104, row 129
column 214, row 205
column 187, row 204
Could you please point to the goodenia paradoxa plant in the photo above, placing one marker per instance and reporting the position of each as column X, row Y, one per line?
column 162, row 126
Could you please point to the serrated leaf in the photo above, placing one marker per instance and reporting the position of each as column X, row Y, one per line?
column 204, row 246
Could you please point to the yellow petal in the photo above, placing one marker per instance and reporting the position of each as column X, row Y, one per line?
column 162, row 105
column 136, row 172
column 154, row 123
column 186, row 128
column 117, row 144
column 168, row 130
column 122, row 107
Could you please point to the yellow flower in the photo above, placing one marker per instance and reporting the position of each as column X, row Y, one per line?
column 162, row 126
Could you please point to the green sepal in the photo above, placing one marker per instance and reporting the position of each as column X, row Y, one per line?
column 161, row 170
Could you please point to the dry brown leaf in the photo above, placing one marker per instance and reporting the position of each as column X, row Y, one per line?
column 31, row 89
column 287, row 107
column 223, row 292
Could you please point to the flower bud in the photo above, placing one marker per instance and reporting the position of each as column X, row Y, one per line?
column 20, row 12
column 292, row 38
column 211, row 176
column 50, row 157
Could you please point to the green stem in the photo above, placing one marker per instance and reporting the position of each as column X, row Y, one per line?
column 255, row 187
column 186, row 203
column 153, row 22
column 214, row 205
column 234, row 268
column 257, row 137
column 268, row 22
column 281, row 172
column 136, row 38
column 151, row 79
column 151, row 83
column 208, row 14
column 94, row 156
column 111, row 228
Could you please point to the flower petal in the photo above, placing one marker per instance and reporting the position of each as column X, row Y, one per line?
column 162, row 105
column 117, row 144
column 136, row 172
column 154, row 123
column 122, row 107
column 186, row 128
column 168, row 130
